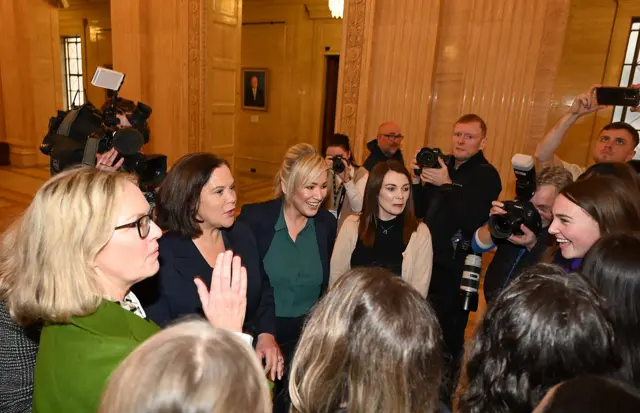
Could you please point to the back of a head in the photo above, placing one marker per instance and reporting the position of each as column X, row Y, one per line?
column 623, row 171
column 591, row 394
column 190, row 367
column 372, row 344
column 613, row 267
column 545, row 327
column 613, row 202
column 47, row 257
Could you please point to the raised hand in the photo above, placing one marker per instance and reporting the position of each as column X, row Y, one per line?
column 225, row 304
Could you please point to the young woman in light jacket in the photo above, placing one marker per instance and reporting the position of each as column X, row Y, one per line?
column 386, row 234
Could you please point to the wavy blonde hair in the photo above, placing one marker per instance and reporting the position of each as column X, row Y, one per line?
column 372, row 344
column 189, row 367
column 47, row 256
column 301, row 164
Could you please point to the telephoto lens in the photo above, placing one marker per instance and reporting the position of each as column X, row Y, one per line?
column 470, row 282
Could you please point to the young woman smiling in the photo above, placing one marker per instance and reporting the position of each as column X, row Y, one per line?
column 295, row 239
column 387, row 233
column 589, row 209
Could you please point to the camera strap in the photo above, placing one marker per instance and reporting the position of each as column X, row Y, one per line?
column 341, row 200
column 90, row 151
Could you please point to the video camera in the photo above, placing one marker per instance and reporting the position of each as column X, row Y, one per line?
column 521, row 210
column 77, row 135
column 428, row 158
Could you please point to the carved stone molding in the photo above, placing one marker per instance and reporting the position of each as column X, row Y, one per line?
column 352, row 76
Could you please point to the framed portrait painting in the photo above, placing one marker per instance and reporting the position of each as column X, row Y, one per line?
column 255, row 89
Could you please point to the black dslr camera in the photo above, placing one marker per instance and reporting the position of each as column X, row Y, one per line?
column 428, row 158
column 338, row 166
column 521, row 210
column 77, row 135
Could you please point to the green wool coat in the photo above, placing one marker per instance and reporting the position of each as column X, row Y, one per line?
column 75, row 360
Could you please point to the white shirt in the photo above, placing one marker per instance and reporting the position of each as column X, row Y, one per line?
column 354, row 193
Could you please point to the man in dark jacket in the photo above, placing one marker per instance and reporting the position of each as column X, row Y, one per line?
column 521, row 251
column 454, row 199
column 385, row 146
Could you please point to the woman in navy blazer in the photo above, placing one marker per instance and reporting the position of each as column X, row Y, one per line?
column 295, row 237
column 196, row 205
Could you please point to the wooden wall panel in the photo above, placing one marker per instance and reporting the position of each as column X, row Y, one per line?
column 30, row 75
column 498, row 59
column 95, row 37
column 290, row 38
column 584, row 58
column 3, row 131
column 182, row 59
column 388, row 74
column 222, row 66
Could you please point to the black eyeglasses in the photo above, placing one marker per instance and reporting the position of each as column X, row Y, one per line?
column 143, row 224
column 393, row 136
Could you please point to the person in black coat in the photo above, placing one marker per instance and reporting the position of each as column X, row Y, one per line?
column 196, row 205
column 295, row 238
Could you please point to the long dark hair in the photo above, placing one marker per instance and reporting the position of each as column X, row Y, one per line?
column 612, row 201
column 613, row 267
column 370, row 206
column 545, row 327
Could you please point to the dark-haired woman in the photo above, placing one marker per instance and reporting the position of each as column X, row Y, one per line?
column 387, row 233
column 346, row 188
column 196, row 205
column 546, row 327
column 613, row 267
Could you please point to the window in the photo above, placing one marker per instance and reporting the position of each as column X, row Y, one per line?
column 74, row 86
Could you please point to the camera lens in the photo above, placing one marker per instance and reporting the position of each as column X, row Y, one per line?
column 500, row 226
column 426, row 158
column 338, row 165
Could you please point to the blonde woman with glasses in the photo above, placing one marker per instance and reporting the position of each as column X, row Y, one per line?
column 71, row 261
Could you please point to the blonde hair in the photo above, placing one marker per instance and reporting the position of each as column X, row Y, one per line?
column 301, row 164
column 189, row 367
column 372, row 344
column 47, row 256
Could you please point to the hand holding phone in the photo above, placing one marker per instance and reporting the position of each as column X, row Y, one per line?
column 618, row 96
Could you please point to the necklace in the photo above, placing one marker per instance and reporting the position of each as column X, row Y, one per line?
column 386, row 230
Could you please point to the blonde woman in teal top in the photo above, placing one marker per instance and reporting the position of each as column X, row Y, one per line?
column 295, row 237
column 71, row 261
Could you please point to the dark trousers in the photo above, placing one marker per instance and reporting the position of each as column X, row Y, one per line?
column 453, row 322
column 288, row 332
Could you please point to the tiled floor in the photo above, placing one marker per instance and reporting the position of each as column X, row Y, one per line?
column 17, row 187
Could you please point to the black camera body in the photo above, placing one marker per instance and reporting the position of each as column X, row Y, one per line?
column 519, row 211
column 338, row 165
column 428, row 158
column 72, row 133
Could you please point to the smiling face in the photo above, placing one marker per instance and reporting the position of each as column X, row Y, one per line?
column 614, row 145
column 574, row 229
column 308, row 198
column 393, row 195
column 217, row 204
column 127, row 258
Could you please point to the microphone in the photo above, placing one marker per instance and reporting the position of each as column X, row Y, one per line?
column 128, row 141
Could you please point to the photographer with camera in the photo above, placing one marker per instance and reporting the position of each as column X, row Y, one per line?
column 346, row 179
column 454, row 196
column 510, row 229
column 616, row 143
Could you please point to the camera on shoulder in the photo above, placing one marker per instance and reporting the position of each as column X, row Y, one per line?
column 520, row 210
column 428, row 158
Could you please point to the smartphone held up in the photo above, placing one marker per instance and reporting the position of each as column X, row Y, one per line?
column 618, row 96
